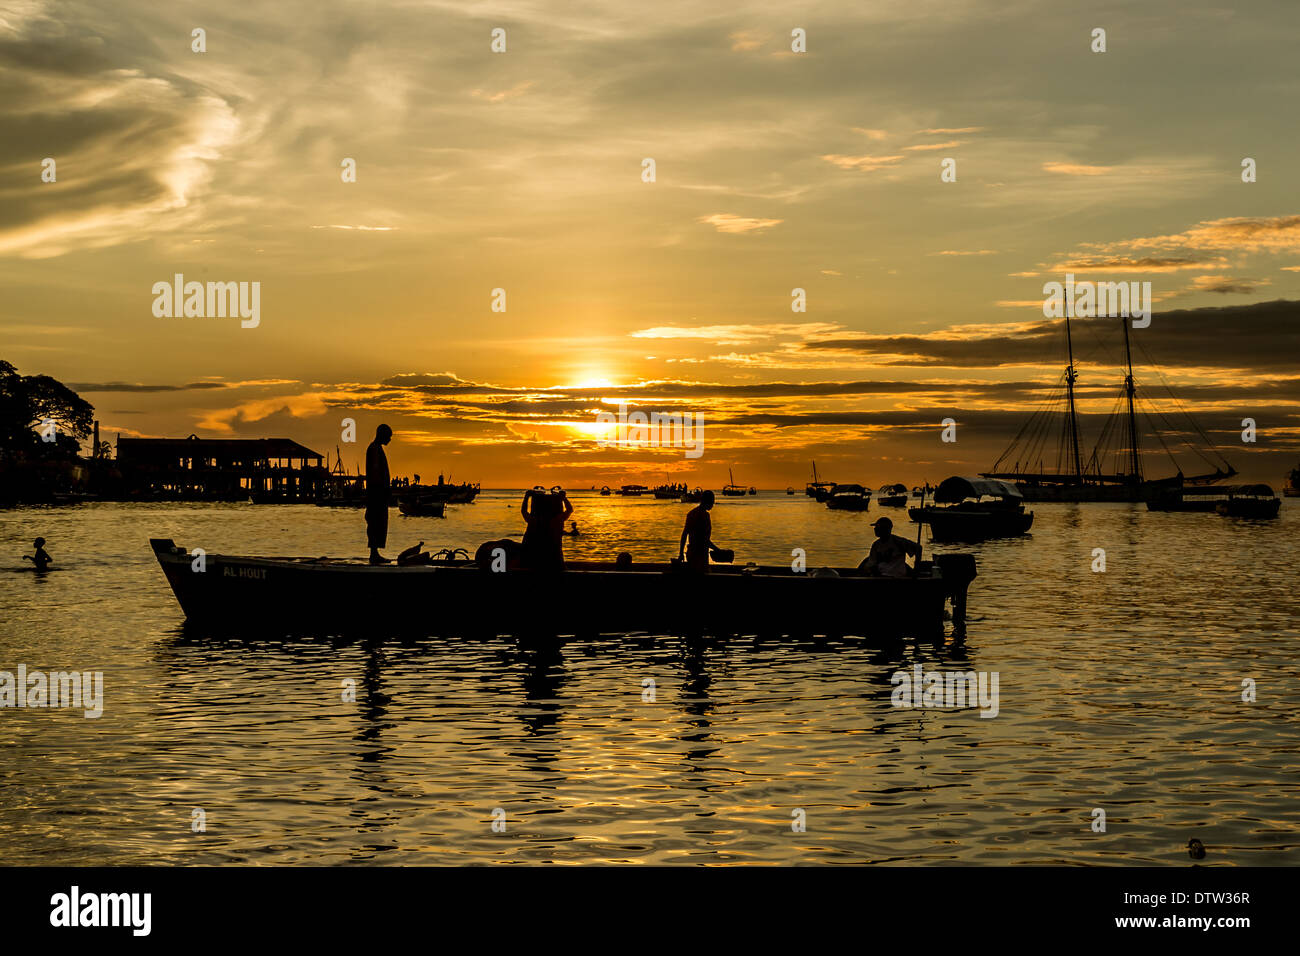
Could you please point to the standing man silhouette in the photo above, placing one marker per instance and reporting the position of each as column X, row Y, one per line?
column 377, row 491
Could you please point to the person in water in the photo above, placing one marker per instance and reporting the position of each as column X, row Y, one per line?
column 888, row 556
column 545, row 514
column 41, row 559
column 573, row 529
column 377, row 489
column 697, row 535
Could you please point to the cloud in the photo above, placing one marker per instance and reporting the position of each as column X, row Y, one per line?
column 519, row 89
column 726, row 222
column 1253, row 338
column 1238, row 234
column 1226, row 285
column 861, row 163
column 1135, row 264
column 737, row 334
column 136, row 387
column 1077, row 169
column 948, row 145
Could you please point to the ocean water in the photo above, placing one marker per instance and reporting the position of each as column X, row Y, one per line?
column 1119, row 691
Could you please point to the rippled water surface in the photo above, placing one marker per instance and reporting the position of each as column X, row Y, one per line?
column 1119, row 690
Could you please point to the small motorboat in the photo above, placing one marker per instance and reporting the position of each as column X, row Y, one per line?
column 633, row 491
column 604, row 491
column 974, row 509
column 1250, row 501
column 789, row 491
column 421, row 507
column 892, row 496
column 849, row 498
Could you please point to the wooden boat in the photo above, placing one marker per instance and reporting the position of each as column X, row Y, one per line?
column 849, row 498
column 462, row 597
column 692, row 496
column 892, row 496
column 421, row 507
column 789, row 491
column 1292, row 487
column 818, row 489
column 732, row 490
column 1254, row 501
column 668, row 492
column 604, row 491
column 974, row 509
column 632, row 491
column 1250, row 501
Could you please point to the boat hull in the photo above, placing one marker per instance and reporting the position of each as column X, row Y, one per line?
column 848, row 503
column 422, row 509
column 1243, row 508
column 972, row 524
column 303, row 594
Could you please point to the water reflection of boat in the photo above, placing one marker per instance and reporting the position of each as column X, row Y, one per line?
column 892, row 496
column 586, row 598
column 974, row 509
column 849, row 498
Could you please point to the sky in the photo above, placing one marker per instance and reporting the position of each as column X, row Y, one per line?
column 774, row 170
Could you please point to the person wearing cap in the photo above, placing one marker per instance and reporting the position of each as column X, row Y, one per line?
column 378, row 488
column 888, row 557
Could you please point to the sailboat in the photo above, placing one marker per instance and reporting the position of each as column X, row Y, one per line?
column 733, row 490
column 818, row 489
column 1076, row 478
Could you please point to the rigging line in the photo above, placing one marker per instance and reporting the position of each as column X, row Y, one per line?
column 1148, row 406
column 1188, row 415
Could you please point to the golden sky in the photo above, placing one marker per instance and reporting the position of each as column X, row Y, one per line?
column 774, row 171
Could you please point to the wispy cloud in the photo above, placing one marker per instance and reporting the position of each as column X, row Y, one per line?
column 726, row 222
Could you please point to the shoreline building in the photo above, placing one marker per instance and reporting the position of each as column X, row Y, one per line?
column 266, row 470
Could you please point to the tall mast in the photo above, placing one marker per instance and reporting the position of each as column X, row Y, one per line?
column 1135, row 464
column 1070, row 376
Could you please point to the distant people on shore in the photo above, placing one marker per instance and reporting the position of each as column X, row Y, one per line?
column 888, row 555
column 40, row 559
column 378, row 483
column 697, row 535
column 544, row 513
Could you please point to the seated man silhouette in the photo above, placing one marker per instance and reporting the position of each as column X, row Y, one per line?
column 888, row 556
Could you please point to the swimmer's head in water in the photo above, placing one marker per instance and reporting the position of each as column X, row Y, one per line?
column 383, row 434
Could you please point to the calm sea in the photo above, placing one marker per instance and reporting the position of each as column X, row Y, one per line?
column 1119, row 691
